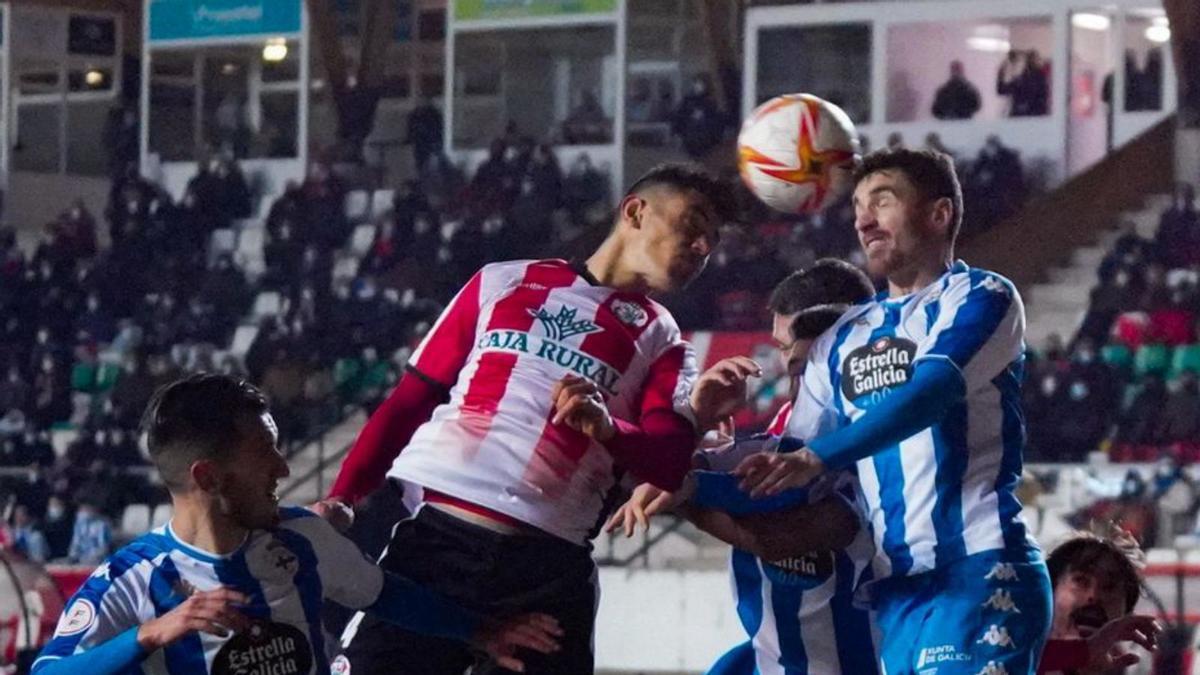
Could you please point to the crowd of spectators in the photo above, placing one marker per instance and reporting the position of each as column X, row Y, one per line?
column 1128, row 382
column 91, row 331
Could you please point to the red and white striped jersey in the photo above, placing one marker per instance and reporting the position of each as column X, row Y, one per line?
column 500, row 347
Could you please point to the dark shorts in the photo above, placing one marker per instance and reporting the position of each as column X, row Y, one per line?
column 494, row 574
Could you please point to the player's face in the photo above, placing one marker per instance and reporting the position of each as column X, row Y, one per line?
column 793, row 354
column 1085, row 601
column 676, row 231
column 893, row 222
column 251, row 478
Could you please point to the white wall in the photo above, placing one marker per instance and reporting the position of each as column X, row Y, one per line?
column 660, row 620
column 919, row 56
column 1091, row 62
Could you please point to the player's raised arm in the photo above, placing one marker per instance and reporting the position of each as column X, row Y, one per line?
column 426, row 383
column 658, row 448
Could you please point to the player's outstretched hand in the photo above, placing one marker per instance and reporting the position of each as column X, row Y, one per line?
column 336, row 512
column 501, row 639
column 579, row 404
column 213, row 612
column 721, row 390
column 765, row 474
column 645, row 502
column 1103, row 646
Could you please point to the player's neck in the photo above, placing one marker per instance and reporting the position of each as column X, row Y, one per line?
column 608, row 266
column 919, row 275
column 200, row 526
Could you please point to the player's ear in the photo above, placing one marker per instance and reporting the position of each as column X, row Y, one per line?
column 631, row 210
column 942, row 214
column 204, row 475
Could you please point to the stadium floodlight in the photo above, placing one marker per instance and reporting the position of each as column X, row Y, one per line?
column 1089, row 21
column 1158, row 33
column 275, row 50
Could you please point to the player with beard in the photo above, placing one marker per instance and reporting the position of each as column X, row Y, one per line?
column 1096, row 586
column 924, row 385
column 234, row 583
column 542, row 384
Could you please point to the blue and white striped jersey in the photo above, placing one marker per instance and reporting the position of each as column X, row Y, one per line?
column 948, row 491
column 799, row 612
column 286, row 572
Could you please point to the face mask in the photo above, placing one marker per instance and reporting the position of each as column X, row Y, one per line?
column 1079, row 391
column 54, row 512
column 1085, row 356
column 1049, row 386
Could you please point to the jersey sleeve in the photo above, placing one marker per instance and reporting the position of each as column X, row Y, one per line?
column 669, row 381
column 347, row 576
column 980, row 327
column 445, row 348
column 107, row 605
column 813, row 412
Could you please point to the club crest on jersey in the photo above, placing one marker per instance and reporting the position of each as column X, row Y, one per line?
column 267, row 648
column 629, row 313
column 563, row 325
column 876, row 368
column 805, row 571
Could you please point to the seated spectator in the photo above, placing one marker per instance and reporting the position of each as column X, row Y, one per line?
column 1178, row 237
column 1180, row 419
column 957, row 99
column 91, row 537
column 58, row 526
column 1139, row 423
column 587, row 123
column 28, row 540
column 698, row 121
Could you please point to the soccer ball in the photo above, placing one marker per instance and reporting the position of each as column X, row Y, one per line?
column 796, row 153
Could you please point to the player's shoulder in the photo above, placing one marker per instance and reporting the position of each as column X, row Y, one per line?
column 306, row 523
column 964, row 278
column 856, row 314
column 132, row 564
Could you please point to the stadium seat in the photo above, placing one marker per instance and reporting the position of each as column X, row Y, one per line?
column 381, row 202
column 161, row 516
column 83, row 377
column 268, row 303
column 1151, row 360
column 361, row 240
column 107, row 375
column 243, row 338
column 135, row 519
column 1117, row 355
column 224, row 241
column 1130, row 329
column 250, row 242
column 357, row 205
column 1185, row 359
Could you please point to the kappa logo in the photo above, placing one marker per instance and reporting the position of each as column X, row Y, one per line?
column 1002, row 572
column 563, row 325
column 993, row 284
column 78, row 619
column 103, row 572
column 1002, row 601
column 993, row 668
column 630, row 314
column 996, row 636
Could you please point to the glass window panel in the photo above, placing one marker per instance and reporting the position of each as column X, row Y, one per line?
column 38, row 137
column 87, row 123
column 172, row 107
column 1146, row 39
column 836, row 65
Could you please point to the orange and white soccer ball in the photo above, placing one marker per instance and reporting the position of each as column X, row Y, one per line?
column 796, row 153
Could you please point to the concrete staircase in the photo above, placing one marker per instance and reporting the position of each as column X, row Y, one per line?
column 1059, row 304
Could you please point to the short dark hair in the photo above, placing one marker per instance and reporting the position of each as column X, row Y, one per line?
column 828, row 281
column 198, row 417
column 691, row 177
column 1092, row 555
column 819, row 295
column 930, row 171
